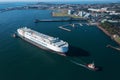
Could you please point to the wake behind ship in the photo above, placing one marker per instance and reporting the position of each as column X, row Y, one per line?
column 42, row 40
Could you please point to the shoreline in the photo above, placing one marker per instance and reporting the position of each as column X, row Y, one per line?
column 107, row 33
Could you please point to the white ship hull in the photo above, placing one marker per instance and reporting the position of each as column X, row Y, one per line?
column 41, row 44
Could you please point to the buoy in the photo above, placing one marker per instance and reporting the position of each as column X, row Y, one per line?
column 14, row 35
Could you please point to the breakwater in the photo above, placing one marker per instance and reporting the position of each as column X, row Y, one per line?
column 116, row 48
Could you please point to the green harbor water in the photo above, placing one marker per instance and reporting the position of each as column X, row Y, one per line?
column 20, row 60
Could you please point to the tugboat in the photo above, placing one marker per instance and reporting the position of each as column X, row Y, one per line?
column 92, row 66
column 14, row 35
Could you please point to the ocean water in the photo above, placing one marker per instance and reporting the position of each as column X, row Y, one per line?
column 13, row 4
column 20, row 60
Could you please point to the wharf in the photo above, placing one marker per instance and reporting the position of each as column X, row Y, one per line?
column 64, row 28
column 80, row 24
column 57, row 20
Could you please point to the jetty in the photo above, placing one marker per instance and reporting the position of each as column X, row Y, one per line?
column 87, row 24
column 116, row 48
column 73, row 25
column 64, row 28
column 58, row 20
column 80, row 24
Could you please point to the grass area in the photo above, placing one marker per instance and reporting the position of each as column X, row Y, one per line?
column 60, row 14
column 73, row 16
column 117, row 39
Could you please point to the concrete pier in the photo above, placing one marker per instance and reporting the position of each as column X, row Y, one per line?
column 80, row 24
column 64, row 28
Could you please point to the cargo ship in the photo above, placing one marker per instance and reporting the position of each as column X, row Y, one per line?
column 43, row 41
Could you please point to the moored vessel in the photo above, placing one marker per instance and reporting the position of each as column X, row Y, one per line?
column 43, row 41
